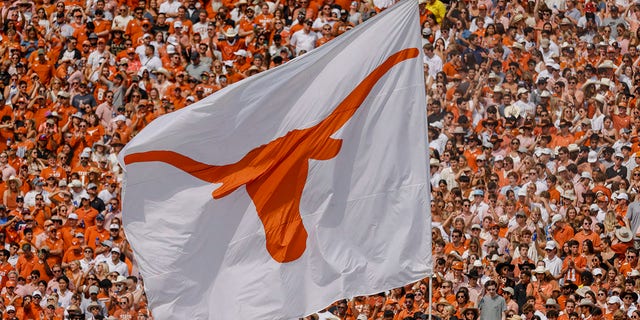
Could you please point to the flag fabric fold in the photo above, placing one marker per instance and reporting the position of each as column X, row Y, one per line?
column 291, row 189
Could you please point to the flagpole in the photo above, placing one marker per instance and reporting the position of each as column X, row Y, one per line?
column 430, row 294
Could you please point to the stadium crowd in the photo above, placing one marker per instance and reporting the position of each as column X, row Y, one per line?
column 534, row 131
column 533, row 123
column 79, row 79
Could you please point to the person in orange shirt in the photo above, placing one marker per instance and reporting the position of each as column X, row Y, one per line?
column 246, row 23
column 42, row 67
column 40, row 211
column 96, row 234
column 408, row 309
column 446, row 292
column 102, row 25
column 86, row 213
column 564, row 137
column 456, row 244
column 622, row 204
column 231, row 44
column 142, row 117
column 5, row 267
column 134, row 27
column 587, row 233
column 326, row 35
column 562, row 232
column 11, row 299
column 183, row 21
column 73, row 252
column 567, row 304
column 53, row 169
column 54, row 245
column 125, row 309
column 70, row 229
column 574, row 265
column 32, row 309
column 265, row 18
column 26, row 261
column 630, row 261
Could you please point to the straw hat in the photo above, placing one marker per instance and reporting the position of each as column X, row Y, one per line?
column 624, row 234
column 230, row 32
column 16, row 179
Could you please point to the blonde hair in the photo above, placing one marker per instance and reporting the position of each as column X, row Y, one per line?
column 610, row 222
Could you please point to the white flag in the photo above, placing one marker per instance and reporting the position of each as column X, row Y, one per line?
column 292, row 189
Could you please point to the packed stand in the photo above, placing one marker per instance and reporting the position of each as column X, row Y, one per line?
column 533, row 128
column 80, row 79
column 534, row 124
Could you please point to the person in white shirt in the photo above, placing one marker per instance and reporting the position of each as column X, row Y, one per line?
column 170, row 9
column 64, row 294
column 31, row 196
column 433, row 60
column 121, row 20
column 202, row 25
column 482, row 15
column 304, row 40
column 551, row 261
column 142, row 48
column 108, row 193
column 150, row 60
column 97, row 57
column 115, row 264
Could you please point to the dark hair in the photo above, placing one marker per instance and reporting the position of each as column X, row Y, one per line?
column 490, row 283
column 105, row 283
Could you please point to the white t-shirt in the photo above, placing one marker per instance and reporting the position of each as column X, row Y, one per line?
column 304, row 41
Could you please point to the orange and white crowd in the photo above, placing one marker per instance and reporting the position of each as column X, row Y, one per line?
column 534, row 124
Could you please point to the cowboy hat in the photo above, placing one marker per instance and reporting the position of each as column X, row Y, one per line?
column 162, row 71
column 16, row 179
column 443, row 301
column 624, row 234
column 589, row 83
column 501, row 265
column 586, row 303
column 607, row 82
column 551, row 302
column 607, row 64
column 230, row 32
column 582, row 291
column 526, row 264
column 539, row 269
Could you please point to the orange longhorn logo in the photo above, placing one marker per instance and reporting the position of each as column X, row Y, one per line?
column 275, row 173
